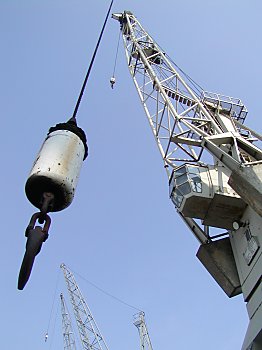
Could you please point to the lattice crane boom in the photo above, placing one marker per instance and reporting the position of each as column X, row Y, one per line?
column 68, row 336
column 186, row 120
column 90, row 335
column 140, row 323
column 214, row 166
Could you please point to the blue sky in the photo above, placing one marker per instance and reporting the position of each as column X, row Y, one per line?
column 122, row 231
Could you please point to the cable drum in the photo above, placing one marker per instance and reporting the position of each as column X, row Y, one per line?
column 57, row 166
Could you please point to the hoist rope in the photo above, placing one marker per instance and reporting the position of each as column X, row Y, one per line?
column 91, row 63
column 108, row 294
column 54, row 328
column 193, row 82
column 198, row 89
column 117, row 48
column 53, row 302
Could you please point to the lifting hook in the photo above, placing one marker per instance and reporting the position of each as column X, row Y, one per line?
column 112, row 82
column 36, row 236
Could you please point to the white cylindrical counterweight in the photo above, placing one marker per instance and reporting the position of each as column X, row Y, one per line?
column 57, row 167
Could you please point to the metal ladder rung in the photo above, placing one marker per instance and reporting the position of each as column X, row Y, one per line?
column 178, row 97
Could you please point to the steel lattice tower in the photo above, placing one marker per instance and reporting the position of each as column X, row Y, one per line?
column 140, row 323
column 68, row 337
column 89, row 332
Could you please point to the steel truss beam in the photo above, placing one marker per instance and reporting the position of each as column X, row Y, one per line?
column 177, row 113
column 68, row 336
column 140, row 323
column 185, row 120
column 90, row 335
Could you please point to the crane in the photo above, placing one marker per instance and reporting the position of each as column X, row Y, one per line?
column 140, row 323
column 68, row 337
column 213, row 164
column 90, row 335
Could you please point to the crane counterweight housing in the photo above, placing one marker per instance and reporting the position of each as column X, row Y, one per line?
column 57, row 166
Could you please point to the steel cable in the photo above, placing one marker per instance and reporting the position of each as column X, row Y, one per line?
column 91, row 64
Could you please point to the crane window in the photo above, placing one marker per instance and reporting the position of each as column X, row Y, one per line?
column 180, row 171
column 185, row 188
column 177, row 198
column 195, row 180
column 186, row 179
column 181, row 179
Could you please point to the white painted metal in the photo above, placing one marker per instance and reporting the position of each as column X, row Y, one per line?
column 56, row 169
column 140, row 323
column 202, row 192
column 189, row 125
column 90, row 335
column 184, row 119
column 68, row 336
column 246, row 243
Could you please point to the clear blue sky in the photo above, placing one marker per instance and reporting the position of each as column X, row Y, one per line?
column 122, row 231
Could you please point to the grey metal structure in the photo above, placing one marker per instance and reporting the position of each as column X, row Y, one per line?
column 213, row 165
column 68, row 335
column 140, row 323
column 90, row 335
